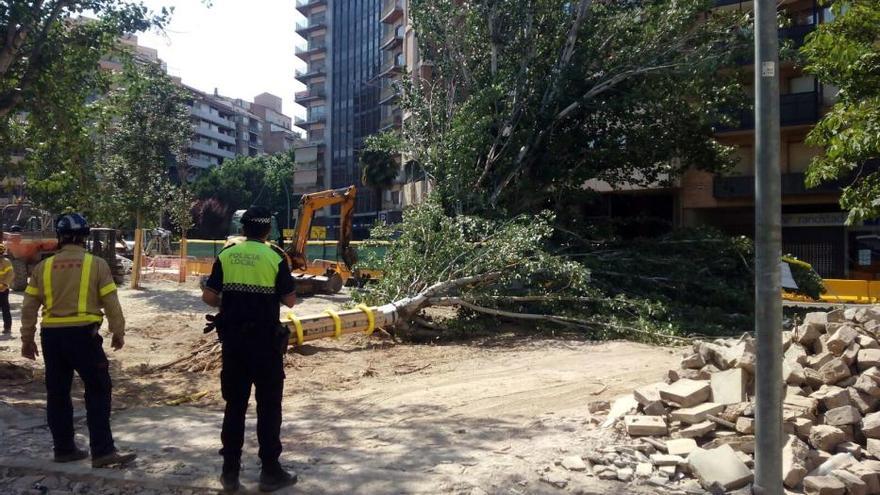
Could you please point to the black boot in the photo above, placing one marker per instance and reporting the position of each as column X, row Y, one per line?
column 77, row 454
column 275, row 478
column 114, row 458
column 229, row 476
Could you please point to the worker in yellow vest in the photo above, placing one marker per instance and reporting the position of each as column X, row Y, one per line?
column 73, row 287
column 6, row 278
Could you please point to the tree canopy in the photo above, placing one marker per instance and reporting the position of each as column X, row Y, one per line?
column 845, row 54
column 49, row 73
column 531, row 99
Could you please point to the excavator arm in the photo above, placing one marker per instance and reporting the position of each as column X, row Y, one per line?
column 309, row 204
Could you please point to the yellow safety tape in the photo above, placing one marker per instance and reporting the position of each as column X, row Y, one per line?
column 84, row 284
column 337, row 322
column 371, row 318
column 298, row 327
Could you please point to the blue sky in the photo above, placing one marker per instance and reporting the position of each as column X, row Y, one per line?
column 241, row 47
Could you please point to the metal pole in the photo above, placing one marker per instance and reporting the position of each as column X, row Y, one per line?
column 768, row 250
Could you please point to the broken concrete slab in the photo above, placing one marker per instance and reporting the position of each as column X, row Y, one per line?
column 644, row 470
column 693, row 362
column 871, row 477
column 864, row 402
column 834, row 371
column 844, row 415
column 794, row 461
column 832, row 396
column 649, row 393
column 744, row 443
column 840, row 340
column 638, row 426
column 719, row 467
column 729, row 387
column 680, row 446
column 817, row 361
column 697, row 430
column 872, row 447
column 823, row 485
column 666, row 460
column 574, row 463
column 826, row 437
column 871, row 425
column 696, row 414
column 746, row 426
column 868, row 358
column 793, row 373
column 686, row 393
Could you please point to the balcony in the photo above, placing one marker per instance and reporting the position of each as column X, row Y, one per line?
column 211, row 150
column 393, row 66
column 311, row 48
column 388, row 95
column 794, row 109
column 212, row 117
column 200, row 163
column 794, row 35
column 392, row 10
column 792, row 185
column 311, row 119
column 310, row 94
column 308, row 4
column 392, row 120
column 304, row 75
column 219, row 136
column 311, row 24
column 393, row 38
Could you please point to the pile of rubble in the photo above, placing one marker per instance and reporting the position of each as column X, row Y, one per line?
column 699, row 423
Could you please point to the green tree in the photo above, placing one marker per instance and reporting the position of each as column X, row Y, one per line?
column 244, row 181
column 845, row 53
column 49, row 72
column 530, row 99
column 379, row 168
column 145, row 129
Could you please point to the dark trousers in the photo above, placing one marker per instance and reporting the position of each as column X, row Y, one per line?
column 4, row 307
column 251, row 358
column 79, row 349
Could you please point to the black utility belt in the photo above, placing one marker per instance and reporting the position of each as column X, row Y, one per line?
column 91, row 328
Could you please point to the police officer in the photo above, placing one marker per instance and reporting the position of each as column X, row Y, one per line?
column 73, row 286
column 247, row 283
column 6, row 278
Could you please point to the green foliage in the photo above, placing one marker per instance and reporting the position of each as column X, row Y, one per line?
column 49, row 75
column 845, row 54
column 529, row 100
column 244, row 181
column 145, row 129
column 808, row 281
column 644, row 289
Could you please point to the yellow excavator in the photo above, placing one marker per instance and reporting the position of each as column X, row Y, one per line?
column 323, row 276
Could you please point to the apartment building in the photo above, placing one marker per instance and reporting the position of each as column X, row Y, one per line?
column 812, row 222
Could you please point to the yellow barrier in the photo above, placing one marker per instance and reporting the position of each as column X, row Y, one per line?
column 874, row 290
column 848, row 291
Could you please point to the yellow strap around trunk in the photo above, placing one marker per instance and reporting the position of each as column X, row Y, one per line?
column 337, row 322
column 298, row 327
column 371, row 318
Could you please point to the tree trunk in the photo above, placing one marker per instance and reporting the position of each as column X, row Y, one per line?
column 181, row 278
column 138, row 252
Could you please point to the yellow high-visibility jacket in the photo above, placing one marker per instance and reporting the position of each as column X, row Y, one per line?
column 73, row 287
column 6, row 274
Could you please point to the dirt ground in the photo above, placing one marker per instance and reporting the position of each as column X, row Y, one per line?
column 361, row 415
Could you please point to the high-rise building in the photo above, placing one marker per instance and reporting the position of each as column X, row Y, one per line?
column 342, row 97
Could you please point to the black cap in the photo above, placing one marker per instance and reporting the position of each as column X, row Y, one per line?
column 259, row 215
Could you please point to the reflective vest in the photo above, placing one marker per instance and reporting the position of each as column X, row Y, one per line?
column 68, row 295
column 251, row 266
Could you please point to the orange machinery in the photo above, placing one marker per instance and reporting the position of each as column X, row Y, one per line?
column 29, row 236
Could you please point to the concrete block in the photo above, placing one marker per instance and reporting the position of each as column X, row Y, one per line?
column 655, row 409
column 744, row 443
column 719, row 467
column 871, row 425
column 836, row 316
column 868, row 358
column 864, row 383
column 868, row 342
column 813, row 378
column 645, row 426
column 697, row 430
column 831, row 396
column 864, row 402
column 795, row 353
column 793, row 373
column 823, row 485
column 811, row 329
column 666, row 460
column 746, row 426
column 693, row 362
column 851, row 354
column 621, row 407
column 794, row 461
column 826, row 437
column 680, row 446
column 816, row 362
column 729, row 387
column 686, row 393
column 649, row 393
column 820, row 344
column 840, row 340
column 834, row 371
column 574, row 463
column 844, row 415
column 696, row 414
column 802, row 427
column 807, row 405
column 872, row 447
column 644, row 470
column 871, row 477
